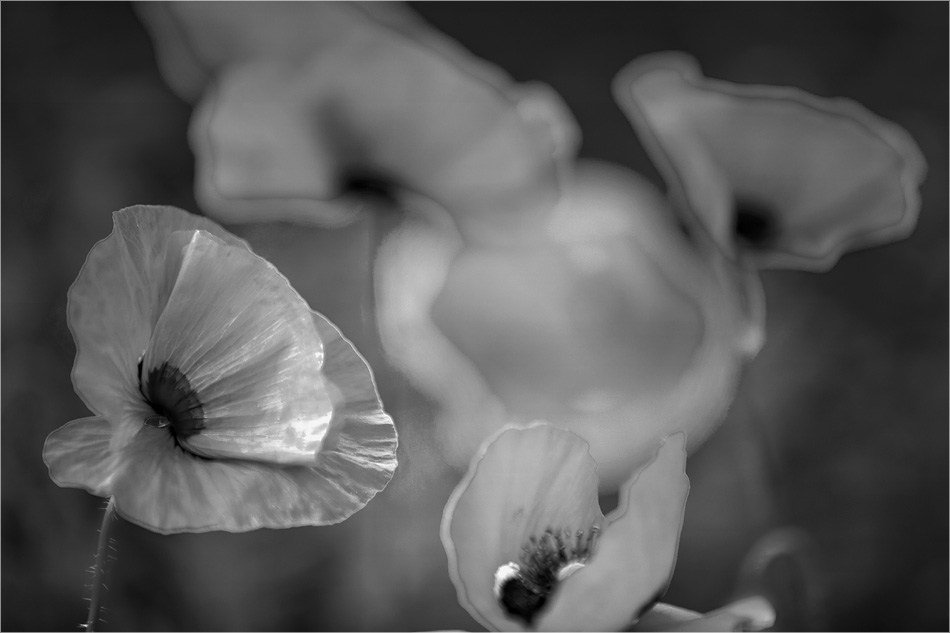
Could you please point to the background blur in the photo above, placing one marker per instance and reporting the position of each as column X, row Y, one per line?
column 839, row 435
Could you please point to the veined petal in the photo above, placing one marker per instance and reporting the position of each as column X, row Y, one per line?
column 245, row 343
column 634, row 559
column 166, row 489
column 115, row 302
column 78, row 456
column 359, row 450
column 791, row 179
column 523, row 482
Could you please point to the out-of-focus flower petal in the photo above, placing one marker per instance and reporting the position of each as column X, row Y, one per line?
column 523, row 482
column 616, row 328
column 116, row 300
column 195, row 40
column 749, row 614
column 78, row 456
column 634, row 559
column 557, row 329
column 790, row 179
column 376, row 97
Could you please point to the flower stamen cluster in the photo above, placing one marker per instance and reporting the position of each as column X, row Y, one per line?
column 523, row 588
column 175, row 403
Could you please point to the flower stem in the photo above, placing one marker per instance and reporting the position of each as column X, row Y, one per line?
column 99, row 571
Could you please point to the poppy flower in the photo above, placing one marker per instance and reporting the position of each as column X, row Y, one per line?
column 634, row 314
column 303, row 107
column 777, row 176
column 618, row 327
column 221, row 400
column 529, row 548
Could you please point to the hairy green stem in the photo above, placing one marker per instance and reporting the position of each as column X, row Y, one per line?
column 99, row 571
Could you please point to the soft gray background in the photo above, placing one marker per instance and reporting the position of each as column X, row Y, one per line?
column 839, row 431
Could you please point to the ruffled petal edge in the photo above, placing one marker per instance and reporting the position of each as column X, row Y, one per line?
column 78, row 456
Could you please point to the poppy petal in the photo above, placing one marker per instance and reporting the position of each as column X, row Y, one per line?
column 791, row 179
column 194, row 41
column 250, row 354
column 750, row 614
column 559, row 329
column 522, row 482
column 410, row 271
column 279, row 140
column 78, row 456
column 115, row 302
column 167, row 490
column 613, row 232
column 634, row 559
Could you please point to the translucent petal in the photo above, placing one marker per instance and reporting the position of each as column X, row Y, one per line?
column 523, row 482
column 78, row 456
column 246, row 344
column 167, row 490
column 635, row 555
column 818, row 177
column 117, row 298
column 278, row 140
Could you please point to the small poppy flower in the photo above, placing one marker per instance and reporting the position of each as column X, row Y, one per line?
column 221, row 400
column 311, row 104
column 778, row 176
column 529, row 548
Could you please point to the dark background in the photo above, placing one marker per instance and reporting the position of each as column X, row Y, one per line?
column 840, row 430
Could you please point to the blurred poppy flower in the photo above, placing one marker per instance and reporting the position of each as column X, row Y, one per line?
column 777, row 176
column 301, row 104
column 221, row 401
column 530, row 549
column 634, row 314
column 618, row 327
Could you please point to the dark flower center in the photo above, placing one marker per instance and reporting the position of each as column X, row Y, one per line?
column 755, row 223
column 369, row 185
column 523, row 588
column 171, row 396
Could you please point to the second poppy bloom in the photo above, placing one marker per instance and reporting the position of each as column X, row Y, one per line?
column 530, row 549
column 632, row 316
